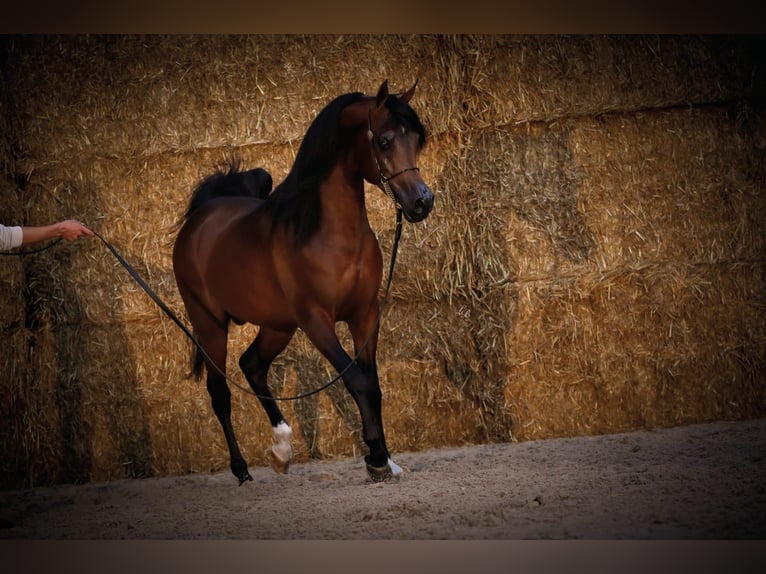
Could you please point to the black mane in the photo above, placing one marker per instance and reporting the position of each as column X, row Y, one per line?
column 295, row 202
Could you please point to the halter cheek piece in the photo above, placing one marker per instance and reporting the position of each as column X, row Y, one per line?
column 383, row 179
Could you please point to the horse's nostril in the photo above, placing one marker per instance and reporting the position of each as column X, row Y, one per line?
column 424, row 204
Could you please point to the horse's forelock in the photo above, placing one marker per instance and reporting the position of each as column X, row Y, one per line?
column 402, row 113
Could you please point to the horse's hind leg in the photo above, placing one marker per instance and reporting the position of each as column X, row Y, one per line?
column 255, row 363
column 220, row 396
column 212, row 335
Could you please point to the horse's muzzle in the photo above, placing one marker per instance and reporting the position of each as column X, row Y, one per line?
column 419, row 208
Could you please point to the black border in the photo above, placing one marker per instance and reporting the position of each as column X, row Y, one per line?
column 383, row 16
column 371, row 17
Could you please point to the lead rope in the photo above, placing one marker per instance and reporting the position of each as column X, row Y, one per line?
column 156, row 298
column 26, row 252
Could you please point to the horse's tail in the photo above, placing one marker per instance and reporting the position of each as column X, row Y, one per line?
column 233, row 182
column 197, row 361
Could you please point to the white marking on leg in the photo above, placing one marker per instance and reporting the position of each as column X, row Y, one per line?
column 396, row 470
column 282, row 436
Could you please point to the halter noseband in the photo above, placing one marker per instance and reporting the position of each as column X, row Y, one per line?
column 383, row 179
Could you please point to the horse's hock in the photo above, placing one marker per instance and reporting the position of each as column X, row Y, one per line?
column 594, row 261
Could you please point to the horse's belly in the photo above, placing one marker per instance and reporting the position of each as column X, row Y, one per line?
column 257, row 304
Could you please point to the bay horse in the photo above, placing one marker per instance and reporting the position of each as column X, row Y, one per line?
column 302, row 256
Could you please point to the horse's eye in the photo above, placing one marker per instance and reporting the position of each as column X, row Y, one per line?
column 384, row 143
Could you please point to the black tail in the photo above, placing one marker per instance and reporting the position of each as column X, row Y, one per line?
column 197, row 361
column 232, row 183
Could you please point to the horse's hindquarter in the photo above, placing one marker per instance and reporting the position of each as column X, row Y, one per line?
column 248, row 281
column 231, row 250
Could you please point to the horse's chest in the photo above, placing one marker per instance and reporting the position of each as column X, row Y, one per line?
column 348, row 279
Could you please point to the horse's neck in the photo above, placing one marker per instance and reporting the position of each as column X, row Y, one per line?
column 343, row 206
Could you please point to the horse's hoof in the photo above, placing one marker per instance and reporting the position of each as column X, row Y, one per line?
column 239, row 470
column 380, row 473
column 389, row 471
column 396, row 470
column 279, row 464
column 244, row 478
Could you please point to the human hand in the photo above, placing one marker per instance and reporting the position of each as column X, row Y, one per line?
column 71, row 230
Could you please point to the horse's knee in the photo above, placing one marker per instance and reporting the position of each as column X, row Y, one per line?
column 365, row 390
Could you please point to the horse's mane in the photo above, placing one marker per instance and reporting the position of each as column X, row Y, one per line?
column 295, row 202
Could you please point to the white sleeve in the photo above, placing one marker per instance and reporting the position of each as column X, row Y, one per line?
column 10, row 237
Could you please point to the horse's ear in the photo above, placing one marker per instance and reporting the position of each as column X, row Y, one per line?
column 382, row 93
column 407, row 96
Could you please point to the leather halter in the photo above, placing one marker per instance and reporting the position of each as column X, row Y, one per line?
column 383, row 179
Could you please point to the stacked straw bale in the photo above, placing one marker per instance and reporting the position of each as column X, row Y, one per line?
column 593, row 264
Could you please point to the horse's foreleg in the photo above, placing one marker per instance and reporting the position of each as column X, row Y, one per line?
column 369, row 401
column 255, row 363
column 361, row 380
column 365, row 333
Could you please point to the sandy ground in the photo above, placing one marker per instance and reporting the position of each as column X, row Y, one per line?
column 695, row 482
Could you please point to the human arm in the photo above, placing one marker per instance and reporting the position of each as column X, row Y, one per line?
column 10, row 237
column 68, row 229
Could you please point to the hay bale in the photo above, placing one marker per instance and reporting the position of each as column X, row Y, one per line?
column 29, row 442
column 120, row 95
column 6, row 142
column 639, row 334
column 507, row 80
column 640, row 349
column 561, row 235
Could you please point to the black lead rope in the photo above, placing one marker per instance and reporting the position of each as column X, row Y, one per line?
column 149, row 291
column 30, row 251
column 156, row 298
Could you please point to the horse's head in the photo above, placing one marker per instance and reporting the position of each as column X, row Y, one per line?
column 395, row 137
